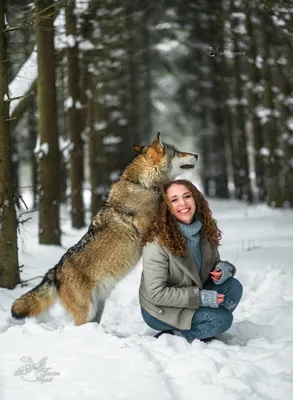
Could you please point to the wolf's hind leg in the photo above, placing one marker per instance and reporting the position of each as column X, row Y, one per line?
column 76, row 303
column 99, row 312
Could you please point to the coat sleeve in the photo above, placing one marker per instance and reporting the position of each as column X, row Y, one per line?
column 155, row 275
column 217, row 259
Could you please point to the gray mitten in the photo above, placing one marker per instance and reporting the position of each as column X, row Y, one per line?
column 226, row 272
column 208, row 298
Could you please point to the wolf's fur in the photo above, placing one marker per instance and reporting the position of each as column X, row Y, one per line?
column 88, row 271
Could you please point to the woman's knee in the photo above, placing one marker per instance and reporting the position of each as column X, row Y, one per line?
column 237, row 288
column 225, row 319
column 212, row 321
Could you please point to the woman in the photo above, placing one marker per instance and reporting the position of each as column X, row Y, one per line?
column 185, row 288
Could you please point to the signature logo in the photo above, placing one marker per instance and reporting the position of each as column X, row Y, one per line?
column 226, row 53
column 211, row 52
column 38, row 372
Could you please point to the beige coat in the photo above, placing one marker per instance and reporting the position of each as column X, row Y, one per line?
column 170, row 284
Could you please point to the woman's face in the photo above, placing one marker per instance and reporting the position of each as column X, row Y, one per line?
column 182, row 203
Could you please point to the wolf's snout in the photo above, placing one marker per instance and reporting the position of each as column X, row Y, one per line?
column 191, row 163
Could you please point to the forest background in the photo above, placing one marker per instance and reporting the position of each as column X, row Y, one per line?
column 83, row 80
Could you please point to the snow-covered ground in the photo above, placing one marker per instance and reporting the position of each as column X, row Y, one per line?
column 120, row 359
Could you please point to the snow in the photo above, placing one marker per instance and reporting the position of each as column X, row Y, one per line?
column 238, row 15
column 86, row 45
column 167, row 46
column 259, row 61
column 122, row 122
column 68, row 103
column 71, row 41
column 263, row 113
column 289, row 123
column 117, row 53
column 278, row 21
column 120, row 359
column 99, row 126
column 44, row 149
column 41, row 150
column 114, row 115
column 22, row 83
column 264, row 151
column 110, row 139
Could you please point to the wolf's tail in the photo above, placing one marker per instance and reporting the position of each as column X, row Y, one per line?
column 38, row 299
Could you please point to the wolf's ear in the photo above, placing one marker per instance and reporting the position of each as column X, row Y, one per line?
column 138, row 149
column 158, row 144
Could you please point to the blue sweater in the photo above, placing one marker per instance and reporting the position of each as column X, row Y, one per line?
column 192, row 234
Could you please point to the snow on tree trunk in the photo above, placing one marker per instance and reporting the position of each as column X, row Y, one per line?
column 241, row 167
column 97, row 158
column 49, row 156
column 285, row 121
column 75, row 119
column 254, row 88
column 271, row 141
column 9, row 272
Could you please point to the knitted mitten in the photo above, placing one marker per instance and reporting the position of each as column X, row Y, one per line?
column 208, row 298
column 226, row 272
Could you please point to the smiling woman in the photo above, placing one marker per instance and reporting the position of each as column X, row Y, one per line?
column 182, row 203
column 186, row 290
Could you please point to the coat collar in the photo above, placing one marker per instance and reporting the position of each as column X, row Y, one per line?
column 186, row 263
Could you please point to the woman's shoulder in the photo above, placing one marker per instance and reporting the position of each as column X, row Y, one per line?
column 153, row 247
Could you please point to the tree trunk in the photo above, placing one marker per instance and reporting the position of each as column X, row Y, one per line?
column 9, row 272
column 49, row 156
column 113, row 99
column 139, row 64
column 254, row 102
column 241, row 167
column 75, row 121
column 61, row 77
column 272, row 158
column 146, row 117
column 215, row 135
column 219, row 95
column 286, row 113
column 97, row 159
column 33, row 138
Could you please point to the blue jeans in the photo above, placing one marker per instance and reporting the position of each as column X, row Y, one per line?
column 206, row 322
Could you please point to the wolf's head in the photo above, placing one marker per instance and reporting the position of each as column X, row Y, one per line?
column 160, row 162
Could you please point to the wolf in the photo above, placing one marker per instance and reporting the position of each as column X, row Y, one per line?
column 86, row 274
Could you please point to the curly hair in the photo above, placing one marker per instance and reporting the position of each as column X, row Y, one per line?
column 165, row 228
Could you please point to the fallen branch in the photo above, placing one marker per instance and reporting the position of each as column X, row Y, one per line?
column 23, row 283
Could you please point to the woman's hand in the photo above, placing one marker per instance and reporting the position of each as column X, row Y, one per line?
column 210, row 298
column 220, row 298
column 216, row 274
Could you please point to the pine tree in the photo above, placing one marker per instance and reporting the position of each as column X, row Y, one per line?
column 271, row 139
column 254, row 89
column 49, row 156
column 241, row 167
column 75, row 118
column 9, row 273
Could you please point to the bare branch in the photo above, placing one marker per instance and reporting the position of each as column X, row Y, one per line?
column 24, row 283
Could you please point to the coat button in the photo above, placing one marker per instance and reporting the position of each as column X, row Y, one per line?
column 161, row 311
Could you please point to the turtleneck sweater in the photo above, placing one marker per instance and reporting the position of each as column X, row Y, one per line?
column 191, row 233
